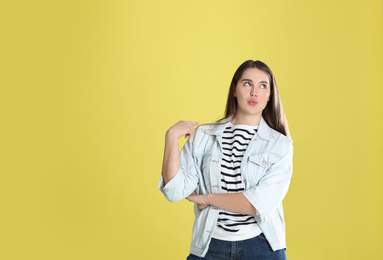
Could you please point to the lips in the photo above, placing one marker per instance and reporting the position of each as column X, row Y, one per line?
column 252, row 102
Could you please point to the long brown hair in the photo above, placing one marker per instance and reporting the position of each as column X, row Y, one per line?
column 273, row 112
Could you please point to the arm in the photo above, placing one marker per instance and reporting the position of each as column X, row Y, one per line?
column 180, row 175
column 273, row 186
column 233, row 202
column 260, row 200
column 171, row 160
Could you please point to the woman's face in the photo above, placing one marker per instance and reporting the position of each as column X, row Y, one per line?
column 252, row 92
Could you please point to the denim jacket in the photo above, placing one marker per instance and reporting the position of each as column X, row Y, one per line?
column 266, row 170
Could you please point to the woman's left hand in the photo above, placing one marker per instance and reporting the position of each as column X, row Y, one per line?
column 200, row 200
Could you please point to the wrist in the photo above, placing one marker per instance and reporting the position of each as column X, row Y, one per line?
column 169, row 136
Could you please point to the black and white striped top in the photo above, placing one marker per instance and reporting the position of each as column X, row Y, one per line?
column 233, row 226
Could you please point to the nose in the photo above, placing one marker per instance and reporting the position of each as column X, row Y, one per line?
column 253, row 92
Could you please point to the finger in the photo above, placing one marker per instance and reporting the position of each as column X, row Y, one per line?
column 191, row 129
column 190, row 133
column 194, row 123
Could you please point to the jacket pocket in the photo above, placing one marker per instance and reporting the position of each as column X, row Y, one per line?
column 258, row 164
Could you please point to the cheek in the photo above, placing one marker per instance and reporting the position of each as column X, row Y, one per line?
column 266, row 96
column 240, row 94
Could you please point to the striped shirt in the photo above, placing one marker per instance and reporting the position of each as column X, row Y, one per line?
column 233, row 226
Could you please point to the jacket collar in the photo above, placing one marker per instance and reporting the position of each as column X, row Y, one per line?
column 264, row 130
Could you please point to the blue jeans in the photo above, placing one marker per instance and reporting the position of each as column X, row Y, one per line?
column 256, row 248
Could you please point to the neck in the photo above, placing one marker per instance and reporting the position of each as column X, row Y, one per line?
column 246, row 120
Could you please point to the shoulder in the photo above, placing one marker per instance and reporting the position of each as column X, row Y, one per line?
column 279, row 137
column 272, row 135
column 205, row 134
column 204, row 131
column 279, row 143
column 284, row 144
column 205, row 128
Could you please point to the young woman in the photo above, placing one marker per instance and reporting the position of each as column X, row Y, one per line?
column 237, row 171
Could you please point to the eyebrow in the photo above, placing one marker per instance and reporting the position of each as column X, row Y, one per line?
column 265, row 82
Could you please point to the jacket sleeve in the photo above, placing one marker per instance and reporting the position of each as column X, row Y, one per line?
column 186, row 179
column 272, row 188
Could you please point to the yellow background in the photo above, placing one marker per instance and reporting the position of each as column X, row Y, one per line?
column 88, row 89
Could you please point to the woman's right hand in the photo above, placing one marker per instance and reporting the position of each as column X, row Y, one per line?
column 171, row 161
column 182, row 128
column 200, row 200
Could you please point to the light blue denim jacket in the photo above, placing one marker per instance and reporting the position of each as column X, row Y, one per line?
column 266, row 170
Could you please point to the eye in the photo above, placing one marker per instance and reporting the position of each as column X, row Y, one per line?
column 247, row 83
column 263, row 86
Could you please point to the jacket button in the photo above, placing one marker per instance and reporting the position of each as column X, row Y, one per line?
column 264, row 163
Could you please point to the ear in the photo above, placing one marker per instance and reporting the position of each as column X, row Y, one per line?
column 234, row 94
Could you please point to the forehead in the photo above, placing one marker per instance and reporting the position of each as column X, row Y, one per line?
column 255, row 75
